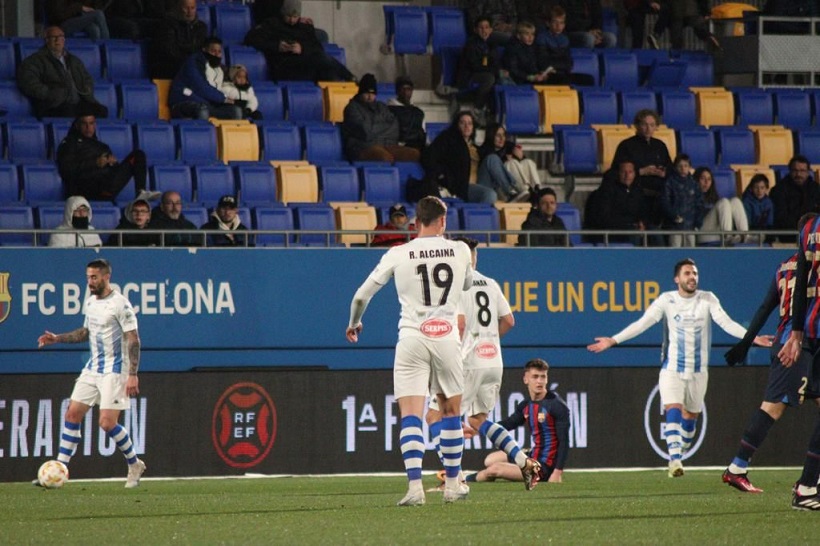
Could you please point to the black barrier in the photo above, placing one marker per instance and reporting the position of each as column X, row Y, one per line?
column 300, row 422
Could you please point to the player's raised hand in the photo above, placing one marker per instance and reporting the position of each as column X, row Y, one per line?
column 352, row 334
column 764, row 341
column 790, row 352
column 47, row 338
column 601, row 344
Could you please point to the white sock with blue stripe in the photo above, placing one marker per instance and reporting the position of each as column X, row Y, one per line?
column 68, row 441
column 674, row 440
column 435, row 437
column 123, row 441
column 502, row 440
column 412, row 448
column 452, row 448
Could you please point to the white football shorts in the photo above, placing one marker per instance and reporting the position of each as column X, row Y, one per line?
column 423, row 366
column 686, row 389
column 107, row 390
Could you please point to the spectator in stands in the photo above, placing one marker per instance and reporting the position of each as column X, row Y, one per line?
column 451, row 162
column 226, row 219
column 758, row 205
column 618, row 205
column 265, row 9
column 196, row 90
column 239, row 89
column 292, row 50
column 636, row 12
column 721, row 214
column 525, row 62
column 504, row 168
column 795, row 195
column 542, row 217
column 397, row 230
column 57, row 83
column 501, row 14
column 585, row 22
column 554, row 45
column 479, row 67
column 76, row 17
column 130, row 19
column 682, row 202
column 168, row 217
column 679, row 14
column 370, row 130
column 178, row 35
column 89, row 168
column 137, row 216
column 77, row 218
column 410, row 116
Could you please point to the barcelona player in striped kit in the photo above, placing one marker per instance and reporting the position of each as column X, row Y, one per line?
column 687, row 314
column 109, row 377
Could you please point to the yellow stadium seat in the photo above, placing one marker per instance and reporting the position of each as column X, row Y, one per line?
column 335, row 96
column 355, row 217
column 237, row 142
column 744, row 173
column 512, row 216
column 559, row 106
column 297, row 184
column 279, row 162
column 773, row 145
column 667, row 136
column 715, row 106
column 163, row 89
column 609, row 136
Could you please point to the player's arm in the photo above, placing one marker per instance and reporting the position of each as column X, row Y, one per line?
column 652, row 316
column 737, row 353
column 562, row 436
column 722, row 318
column 132, row 344
column 505, row 324
column 791, row 348
column 75, row 336
column 516, row 419
column 358, row 305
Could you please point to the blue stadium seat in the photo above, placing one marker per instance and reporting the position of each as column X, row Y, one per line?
column 315, row 217
column 599, row 106
column 280, row 140
column 433, row 128
column 793, row 108
column 447, row 27
column 15, row 103
column 124, row 60
column 304, row 103
column 8, row 64
column 620, row 70
column 197, row 215
column 271, row 103
column 724, row 181
column 16, row 217
column 520, row 110
column 197, row 142
column 48, row 217
column 117, row 135
column 700, row 70
column 585, row 61
column 275, row 219
column 572, row 221
column 9, row 184
column 173, row 178
column 139, row 101
column 126, row 194
column 212, row 182
column 203, row 13
column 26, row 46
column 26, row 141
column 340, row 183
column 411, row 32
column 106, row 93
column 634, row 101
column 89, row 53
column 646, row 59
column 337, row 52
column 698, row 144
column 381, row 185
column 323, row 142
column 449, row 57
column 231, row 21
column 257, row 183
column 480, row 219
column 665, row 74
column 736, row 146
column 251, row 58
column 41, row 183
column 754, row 106
column 808, row 144
column 678, row 109
column 157, row 140
column 407, row 170
column 105, row 217
column 576, row 147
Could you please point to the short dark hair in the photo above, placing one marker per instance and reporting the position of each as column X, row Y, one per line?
column 403, row 81
column 482, row 18
column 645, row 113
column 759, row 177
column 683, row 262
column 101, row 264
column 556, row 11
column 537, row 364
column 681, row 157
column 469, row 241
column 211, row 40
column 429, row 209
column 799, row 158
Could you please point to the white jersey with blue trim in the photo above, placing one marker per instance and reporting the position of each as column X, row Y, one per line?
column 687, row 335
column 483, row 304
column 107, row 319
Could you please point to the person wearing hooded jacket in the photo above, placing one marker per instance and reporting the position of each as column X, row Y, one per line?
column 225, row 218
column 137, row 215
column 77, row 218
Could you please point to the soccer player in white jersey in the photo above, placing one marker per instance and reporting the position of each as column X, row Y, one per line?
column 431, row 274
column 485, row 316
column 687, row 314
column 109, row 377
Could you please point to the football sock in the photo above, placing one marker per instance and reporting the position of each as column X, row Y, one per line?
column 688, row 429
column 502, row 440
column 452, row 447
column 673, row 433
column 68, row 441
column 470, row 477
column 435, row 437
column 811, row 468
column 412, row 446
column 123, row 441
column 752, row 439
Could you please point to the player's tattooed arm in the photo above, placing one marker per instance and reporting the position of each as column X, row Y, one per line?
column 132, row 338
column 76, row 336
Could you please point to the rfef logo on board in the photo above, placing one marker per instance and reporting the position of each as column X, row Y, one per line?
column 244, row 425
column 5, row 296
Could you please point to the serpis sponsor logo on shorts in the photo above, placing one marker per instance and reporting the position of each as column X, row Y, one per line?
column 436, row 327
column 486, row 350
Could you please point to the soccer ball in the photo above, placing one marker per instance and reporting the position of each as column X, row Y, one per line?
column 52, row 474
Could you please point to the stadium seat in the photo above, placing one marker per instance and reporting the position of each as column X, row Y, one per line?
column 196, row 214
column 25, row 47
column 699, row 144
column 271, row 103
column 8, row 64
column 600, row 106
column 340, row 184
column 15, row 103
column 237, row 142
column 357, row 217
column 124, row 60
column 337, row 52
column 520, row 110
column 620, row 70
column 274, row 219
column 448, row 28
column 559, row 105
column 315, row 218
column 105, row 218
column 408, row 169
column 736, row 145
column 106, row 93
column 725, row 182
column 700, row 70
column 48, row 217
column 16, row 217
column 808, row 144
column 41, row 183
column 585, row 61
column 56, row 131
column 257, row 184
column 280, row 140
column 173, row 178
column 609, row 137
column 793, row 108
column 197, row 141
column 163, row 90
column 433, row 128
column 381, row 185
column 336, row 96
column 572, row 220
column 754, row 106
column 677, row 108
column 576, row 148
column 744, row 174
column 212, row 182
column 297, row 184
column 231, row 21
column 304, row 103
column 410, row 31
column 480, row 221
column 666, row 74
column 251, row 58
column 323, row 142
column 667, row 136
column 449, row 58
column 26, row 141
column 157, row 140
column 646, row 59
column 89, row 53
column 9, row 184
column 512, row 216
column 715, row 106
column 634, row 101
column 203, row 13
column 117, row 135
column 773, row 146
column 139, row 101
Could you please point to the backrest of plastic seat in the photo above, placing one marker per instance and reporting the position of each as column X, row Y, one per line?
column 620, row 70
column 715, row 107
column 315, row 218
column 9, row 184
column 139, row 101
column 274, row 219
column 89, row 53
column 755, row 107
column 16, row 217
column 677, row 108
column 271, row 103
column 634, row 101
column 340, row 184
column 323, row 142
column 231, row 21
column 118, row 136
column 793, row 109
column 237, row 142
column 106, row 93
column 381, row 185
column 106, row 217
column 8, row 64
column 257, row 183
column 774, row 146
column 480, row 220
column 336, row 98
column 124, row 60
column 360, row 217
column 559, row 106
column 447, row 27
column 251, row 58
column 304, row 103
column 157, row 140
column 699, row 145
column 724, row 180
column 26, row 141
column 280, row 141
column 521, row 111
column 197, row 142
column 599, row 106
column 173, row 178
column 578, row 149
column 297, row 184
column 736, row 145
column 808, row 144
column 15, row 103
column 411, row 33
column 212, row 182
column 572, row 221
column 48, row 217
column 586, row 62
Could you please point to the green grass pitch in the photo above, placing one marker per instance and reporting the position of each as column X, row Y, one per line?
column 641, row 507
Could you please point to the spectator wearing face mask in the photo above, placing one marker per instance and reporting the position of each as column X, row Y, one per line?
column 77, row 219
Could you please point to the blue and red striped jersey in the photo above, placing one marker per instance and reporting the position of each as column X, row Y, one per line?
column 548, row 421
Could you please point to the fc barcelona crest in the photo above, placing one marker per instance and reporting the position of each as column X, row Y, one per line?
column 5, row 296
